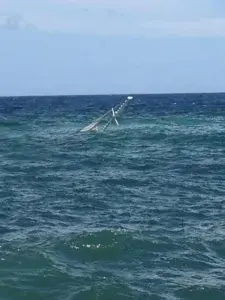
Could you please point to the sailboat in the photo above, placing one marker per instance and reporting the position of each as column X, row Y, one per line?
column 114, row 112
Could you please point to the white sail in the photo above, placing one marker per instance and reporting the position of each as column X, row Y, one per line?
column 93, row 125
column 114, row 111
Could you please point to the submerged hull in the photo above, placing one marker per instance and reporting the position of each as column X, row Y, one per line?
column 114, row 112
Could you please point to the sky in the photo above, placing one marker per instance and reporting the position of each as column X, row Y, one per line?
column 61, row 47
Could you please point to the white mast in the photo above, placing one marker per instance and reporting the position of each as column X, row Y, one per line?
column 113, row 111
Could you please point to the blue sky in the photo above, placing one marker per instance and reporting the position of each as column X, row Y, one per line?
column 51, row 47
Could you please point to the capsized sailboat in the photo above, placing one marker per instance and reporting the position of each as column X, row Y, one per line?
column 114, row 112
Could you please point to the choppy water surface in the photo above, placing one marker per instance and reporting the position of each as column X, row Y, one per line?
column 137, row 212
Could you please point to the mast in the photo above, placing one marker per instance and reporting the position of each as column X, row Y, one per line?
column 114, row 111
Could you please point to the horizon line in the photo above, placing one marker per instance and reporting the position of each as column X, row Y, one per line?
column 109, row 94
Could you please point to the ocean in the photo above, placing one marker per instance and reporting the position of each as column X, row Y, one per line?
column 135, row 212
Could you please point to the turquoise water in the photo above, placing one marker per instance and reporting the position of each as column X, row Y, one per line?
column 136, row 212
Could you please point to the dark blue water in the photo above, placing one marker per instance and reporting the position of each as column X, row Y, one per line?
column 136, row 212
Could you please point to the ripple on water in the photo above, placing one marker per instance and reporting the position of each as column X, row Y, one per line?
column 134, row 213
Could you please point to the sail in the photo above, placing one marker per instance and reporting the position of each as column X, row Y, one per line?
column 113, row 111
column 96, row 122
